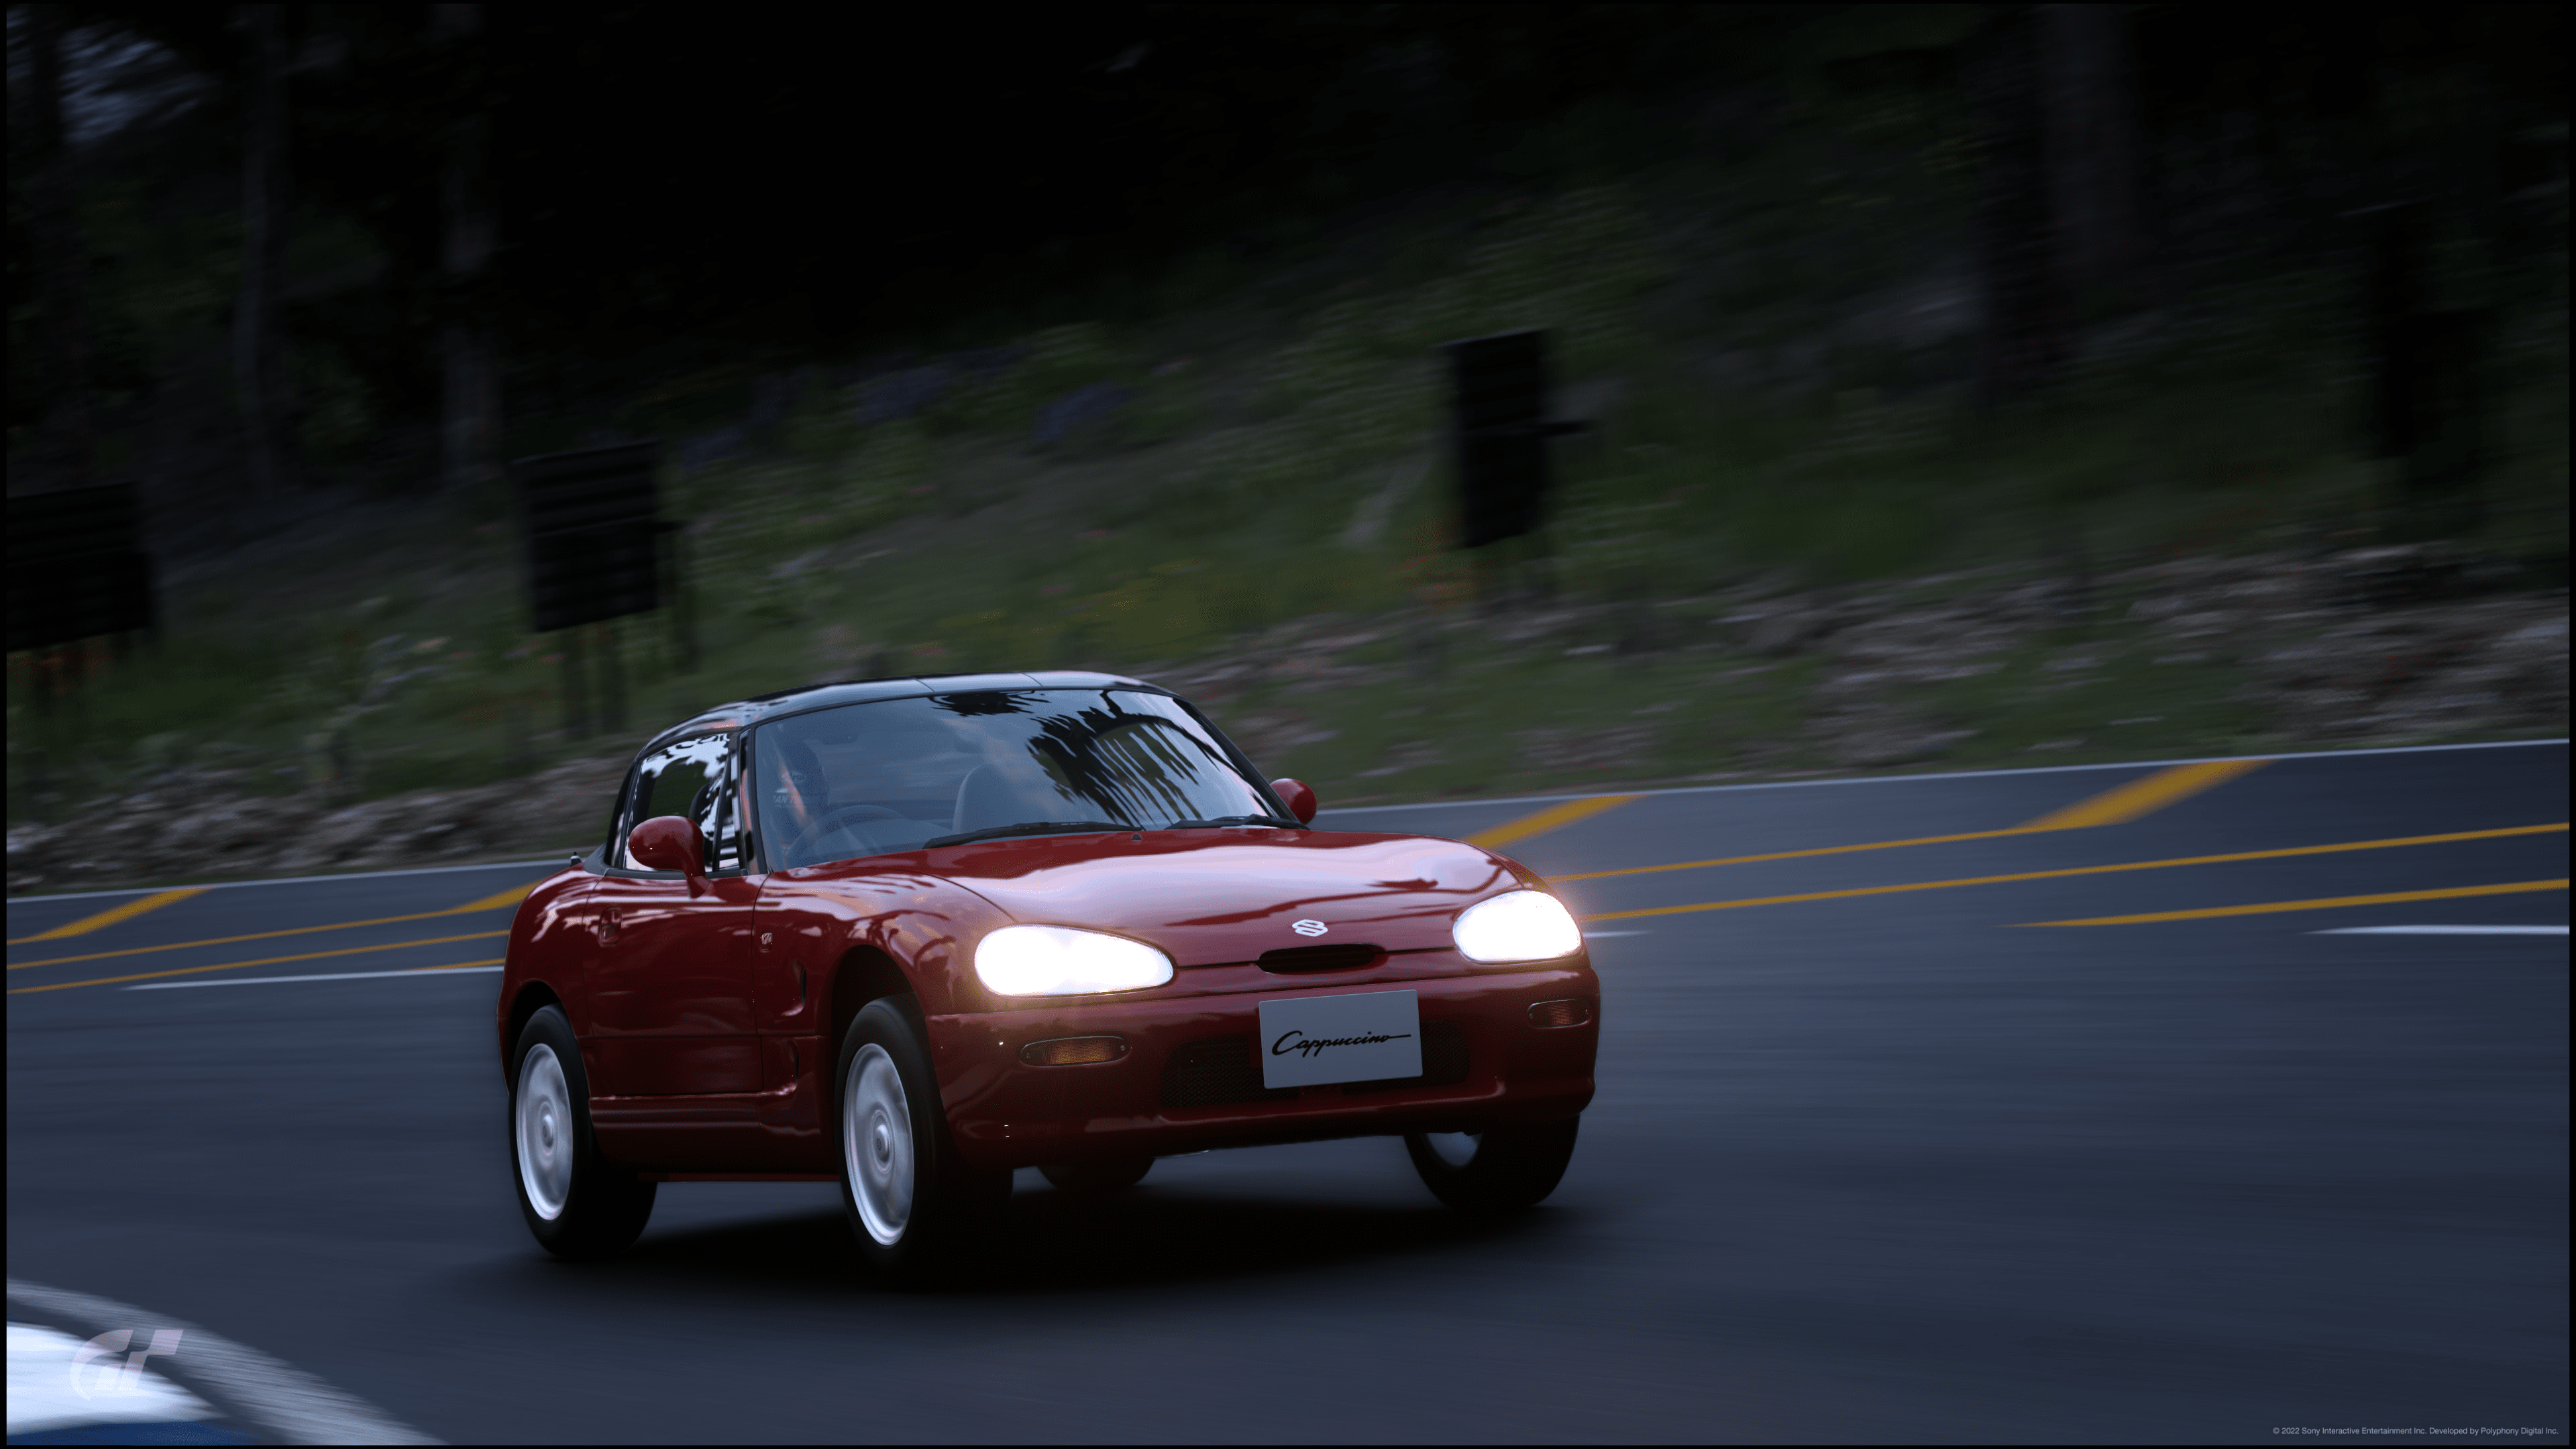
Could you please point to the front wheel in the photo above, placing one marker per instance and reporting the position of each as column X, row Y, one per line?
column 577, row 1205
column 1501, row 1169
column 910, row 1199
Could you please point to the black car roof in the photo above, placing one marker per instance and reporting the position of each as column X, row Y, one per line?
column 759, row 707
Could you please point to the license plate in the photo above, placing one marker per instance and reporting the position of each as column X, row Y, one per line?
column 1311, row 1040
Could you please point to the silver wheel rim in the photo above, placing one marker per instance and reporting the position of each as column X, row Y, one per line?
column 1454, row 1149
column 544, row 1119
column 876, row 1144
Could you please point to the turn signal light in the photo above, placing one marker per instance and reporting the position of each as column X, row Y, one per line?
column 1572, row 1011
column 1073, row 1051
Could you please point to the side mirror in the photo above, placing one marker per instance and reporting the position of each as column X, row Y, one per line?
column 1299, row 799
column 670, row 842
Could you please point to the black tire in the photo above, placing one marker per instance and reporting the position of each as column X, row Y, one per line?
column 1513, row 1166
column 578, row 1204
column 912, row 1202
column 1113, row 1175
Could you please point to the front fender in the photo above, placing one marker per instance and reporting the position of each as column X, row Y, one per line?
column 550, row 946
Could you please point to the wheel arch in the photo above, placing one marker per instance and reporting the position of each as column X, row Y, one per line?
column 533, row 997
column 863, row 974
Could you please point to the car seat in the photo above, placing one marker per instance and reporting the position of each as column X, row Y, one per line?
column 1007, row 794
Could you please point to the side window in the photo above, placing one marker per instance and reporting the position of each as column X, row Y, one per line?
column 691, row 779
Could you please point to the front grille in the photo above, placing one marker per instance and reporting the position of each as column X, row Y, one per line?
column 1336, row 957
column 1219, row 1071
column 1214, row 1071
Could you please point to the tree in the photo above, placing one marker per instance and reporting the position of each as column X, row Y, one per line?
column 63, row 276
column 268, row 209
column 2025, row 322
column 471, row 393
column 2092, row 150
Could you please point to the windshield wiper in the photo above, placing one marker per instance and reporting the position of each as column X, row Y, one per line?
column 1026, row 827
column 1234, row 820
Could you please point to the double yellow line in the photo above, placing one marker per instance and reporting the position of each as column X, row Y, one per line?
column 496, row 901
column 2119, row 805
column 2112, row 807
column 2116, row 806
column 113, row 914
column 263, row 961
column 2229, row 858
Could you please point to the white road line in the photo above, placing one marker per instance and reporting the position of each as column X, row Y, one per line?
column 2443, row 931
column 283, row 1402
column 324, row 976
column 1943, row 775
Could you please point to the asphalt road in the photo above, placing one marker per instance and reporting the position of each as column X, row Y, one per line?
column 1886, row 1165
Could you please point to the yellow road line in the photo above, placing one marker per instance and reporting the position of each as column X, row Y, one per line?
column 112, row 915
column 497, row 899
column 2111, row 807
column 1934, row 885
column 1546, row 820
column 2146, row 796
column 509, row 897
column 318, row 976
column 2321, row 903
column 264, row 961
column 1792, row 854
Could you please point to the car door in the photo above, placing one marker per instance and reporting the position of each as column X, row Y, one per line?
column 671, row 985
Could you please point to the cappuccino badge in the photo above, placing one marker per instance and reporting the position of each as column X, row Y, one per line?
column 1311, row 1040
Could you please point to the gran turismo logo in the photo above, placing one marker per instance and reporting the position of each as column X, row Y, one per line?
column 92, row 1378
column 1310, row 928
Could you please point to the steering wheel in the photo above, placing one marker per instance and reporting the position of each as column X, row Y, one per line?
column 834, row 819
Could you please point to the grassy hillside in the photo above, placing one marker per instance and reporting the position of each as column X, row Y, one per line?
column 1772, row 348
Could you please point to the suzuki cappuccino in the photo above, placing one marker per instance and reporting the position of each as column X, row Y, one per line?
column 910, row 935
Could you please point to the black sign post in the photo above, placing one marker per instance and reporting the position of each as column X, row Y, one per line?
column 76, row 566
column 2427, row 395
column 1500, row 430
column 77, row 570
column 596, row 552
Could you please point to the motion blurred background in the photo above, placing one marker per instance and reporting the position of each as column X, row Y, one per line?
column 1968, row 386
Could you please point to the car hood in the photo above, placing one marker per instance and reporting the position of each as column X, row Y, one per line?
column 1209, row 897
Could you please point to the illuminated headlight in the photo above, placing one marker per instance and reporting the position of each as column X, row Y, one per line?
column 1517, row 926
column 1057, row 961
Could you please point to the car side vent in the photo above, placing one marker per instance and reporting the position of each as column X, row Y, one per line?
column 1215, row 1071
column 1341, row 956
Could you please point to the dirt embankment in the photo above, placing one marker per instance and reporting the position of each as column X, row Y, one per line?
column 193, row 825
column 2374, row 646
column 2380, row 646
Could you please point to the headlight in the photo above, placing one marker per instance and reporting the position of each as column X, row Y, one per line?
column 1517, row 926
column 1058, row 961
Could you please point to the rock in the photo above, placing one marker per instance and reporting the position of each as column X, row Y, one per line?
column 1783, row 631
column 1879, row 742
column 173, row 829
column 1586, row 751
column 2396, row 574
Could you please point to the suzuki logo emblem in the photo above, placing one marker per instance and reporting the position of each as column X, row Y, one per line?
column 1309, row 928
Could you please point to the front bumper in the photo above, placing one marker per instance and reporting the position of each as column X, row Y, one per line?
column 1182, row 1086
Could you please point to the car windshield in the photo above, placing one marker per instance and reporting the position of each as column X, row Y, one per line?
column 900, row 774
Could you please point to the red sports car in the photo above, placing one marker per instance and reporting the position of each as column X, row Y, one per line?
column 911, row 934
